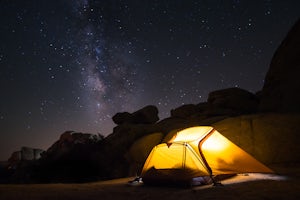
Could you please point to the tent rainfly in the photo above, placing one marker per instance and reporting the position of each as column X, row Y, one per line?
column 197, row 155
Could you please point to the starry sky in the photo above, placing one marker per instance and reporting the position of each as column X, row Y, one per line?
column 73, row 64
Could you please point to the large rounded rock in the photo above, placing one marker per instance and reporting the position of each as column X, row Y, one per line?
column 26, row 154
column 66, row 145
column 232, row 101
column 121, row 118
column 281, row 90
column 140, row 149
column 185, row 111
column 270, row 138
column 146, row 115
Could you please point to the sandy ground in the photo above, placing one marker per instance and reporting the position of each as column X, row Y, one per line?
column 283, row 185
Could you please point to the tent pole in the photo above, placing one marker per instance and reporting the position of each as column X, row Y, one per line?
column 215, row 183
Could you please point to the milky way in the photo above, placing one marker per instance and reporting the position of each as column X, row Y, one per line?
column 107, row 75
column 71, row 65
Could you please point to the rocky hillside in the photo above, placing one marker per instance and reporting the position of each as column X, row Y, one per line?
column 264, row 124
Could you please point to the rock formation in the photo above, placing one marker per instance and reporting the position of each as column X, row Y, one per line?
column 25, row 154
column 232, row 101
column 269, row 137
column 146, row 115
column 281, row 90
column 67, row 142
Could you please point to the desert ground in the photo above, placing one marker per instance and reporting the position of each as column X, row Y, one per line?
column 284, row 184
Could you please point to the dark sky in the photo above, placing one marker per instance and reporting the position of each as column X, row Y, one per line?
column 71, row 65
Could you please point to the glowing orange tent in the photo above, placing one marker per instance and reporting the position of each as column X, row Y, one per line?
column 199, row 151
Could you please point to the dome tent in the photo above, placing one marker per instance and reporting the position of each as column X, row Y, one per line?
column 197, row 153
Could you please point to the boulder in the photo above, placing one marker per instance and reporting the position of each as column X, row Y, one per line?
column 168, row 124
column 116, row 145
column 185, row 111
column 146, row 115
column 270, row 138
column 232, row 101
column 66, row 136
column 4, row 172
column 15, row 156
column 66, row 143
column 139, row 151
column 19, row 160
column 203, row 106
column 70, row 159
column 38, row 153
column 121, row 118
column 26, row 154
column 281, row 90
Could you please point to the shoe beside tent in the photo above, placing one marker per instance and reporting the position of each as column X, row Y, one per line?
column 197, row 153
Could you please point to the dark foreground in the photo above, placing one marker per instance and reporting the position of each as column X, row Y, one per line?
column 286, row 185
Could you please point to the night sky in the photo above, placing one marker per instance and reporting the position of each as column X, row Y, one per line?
column 71, row 65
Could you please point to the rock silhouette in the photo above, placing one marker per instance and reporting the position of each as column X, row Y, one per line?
column 146, row 115
column 281, row 90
